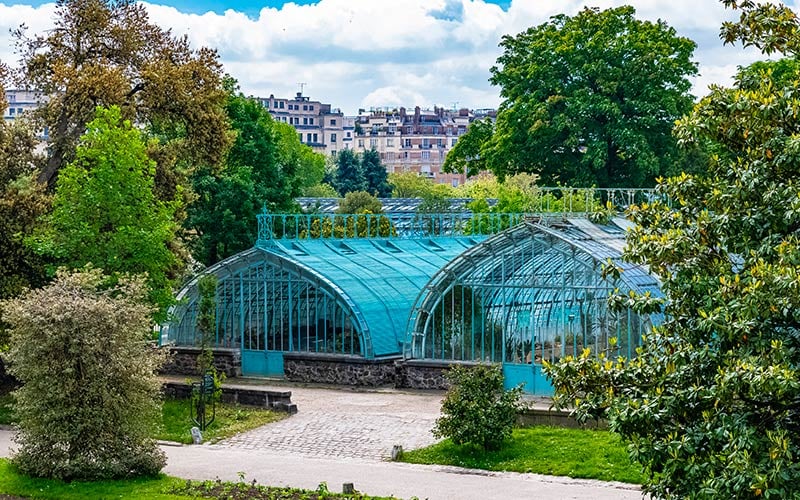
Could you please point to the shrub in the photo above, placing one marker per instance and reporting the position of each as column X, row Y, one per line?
column 476, row 409
column 89, row 391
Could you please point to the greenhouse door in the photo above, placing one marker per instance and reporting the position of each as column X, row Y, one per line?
column 262, row 363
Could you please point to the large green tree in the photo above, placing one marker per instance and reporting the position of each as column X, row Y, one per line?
column 467, row 157
column 267, row 165
column 375, row 174
column 711, row 402
column 590, row 100
column 105, row 211
column 107, row 52
column 349, row 176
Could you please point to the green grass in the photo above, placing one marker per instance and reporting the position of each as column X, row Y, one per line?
column 231, row 419
column 158, row 488
column 14, row 483
column 175, row 422
column 590, row 454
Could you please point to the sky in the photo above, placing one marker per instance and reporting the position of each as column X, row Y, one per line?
column 387, row 53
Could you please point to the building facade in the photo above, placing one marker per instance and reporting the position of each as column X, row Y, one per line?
column 19, row 102
column 407, row 142
column 317, row 124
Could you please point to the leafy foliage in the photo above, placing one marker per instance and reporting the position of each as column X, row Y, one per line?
column 266, row 165
column 413, row 185
column 359, row 202
column 476, row 409
column 466, row 156
column 107, row 53
column 375, row 174
column 711, row 403
column 105, row 211
column 349, row 175
column 89, row 390
column 22, row 202
column 590, row 100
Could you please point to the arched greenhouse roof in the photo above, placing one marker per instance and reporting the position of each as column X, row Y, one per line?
column 377, row 279
column 533, row 265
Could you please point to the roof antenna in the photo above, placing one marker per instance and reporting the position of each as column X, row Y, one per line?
column 302, row 86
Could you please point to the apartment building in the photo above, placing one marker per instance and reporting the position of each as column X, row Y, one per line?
column 317, row 124
column 407, row 142
column 20, row 101
column 415, row 142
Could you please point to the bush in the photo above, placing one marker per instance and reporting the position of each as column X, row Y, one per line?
column 89, row 391
column 476, row 409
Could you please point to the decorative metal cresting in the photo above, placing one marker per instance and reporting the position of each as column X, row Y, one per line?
column 459, row 220
column 203, row 409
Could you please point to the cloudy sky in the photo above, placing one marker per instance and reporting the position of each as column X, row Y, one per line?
column 372, row 53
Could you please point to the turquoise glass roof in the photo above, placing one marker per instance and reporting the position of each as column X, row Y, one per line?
column 381, row 277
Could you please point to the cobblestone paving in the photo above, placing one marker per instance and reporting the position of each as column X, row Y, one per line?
column 346, row 424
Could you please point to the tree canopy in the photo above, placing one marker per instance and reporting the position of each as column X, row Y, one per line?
column 711, row 402
column 349, row 176
column 588, row 100
column 107, row 53
column 466, row 156
column 105, row 211
column 375, row 174
column 267, row 165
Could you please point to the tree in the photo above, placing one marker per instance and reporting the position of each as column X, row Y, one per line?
column 89, row 390
column 267, row 165
column 413, row 185
column 349, row 176
column 107, row 53
column 375, row 174
column 711, row 402
column 476, row 409
column 359, row 202
column 590, row 100
column 467, row 156
column 22, row 203
column 105, row 211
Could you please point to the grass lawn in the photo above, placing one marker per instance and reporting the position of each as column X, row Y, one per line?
column 230, row 420
column 159, row 488
column 175, row 423
column 590, row 454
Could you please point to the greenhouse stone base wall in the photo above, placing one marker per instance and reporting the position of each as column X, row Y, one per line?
column 340, row 370
column 325, row 369
column 183, row 361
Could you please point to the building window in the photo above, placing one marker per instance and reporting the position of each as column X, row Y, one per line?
column 311, row 121
column 333, row 137
column 426, row 143
column 361, row 143
column 390, row 155
column 311, row 107
column 390, row 142
column 11, row 111
column 373, row 143
column 308, row 137
column 315, row 138
column 348, row 134
column 408, row 143
column 301, row 137
column 453, row 142
column 305, row 121
column 440, row 142
column 333, row 152
column 305, row 107
column 426, row 155
column 281, row 104
column 405, row 155
column 392, row 129
column 333, row 123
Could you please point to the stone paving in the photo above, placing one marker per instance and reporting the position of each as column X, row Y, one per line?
column 346, row 423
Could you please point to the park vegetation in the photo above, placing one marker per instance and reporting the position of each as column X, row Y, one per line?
column 710, row 404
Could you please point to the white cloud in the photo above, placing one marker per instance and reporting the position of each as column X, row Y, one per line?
column 361, row 53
